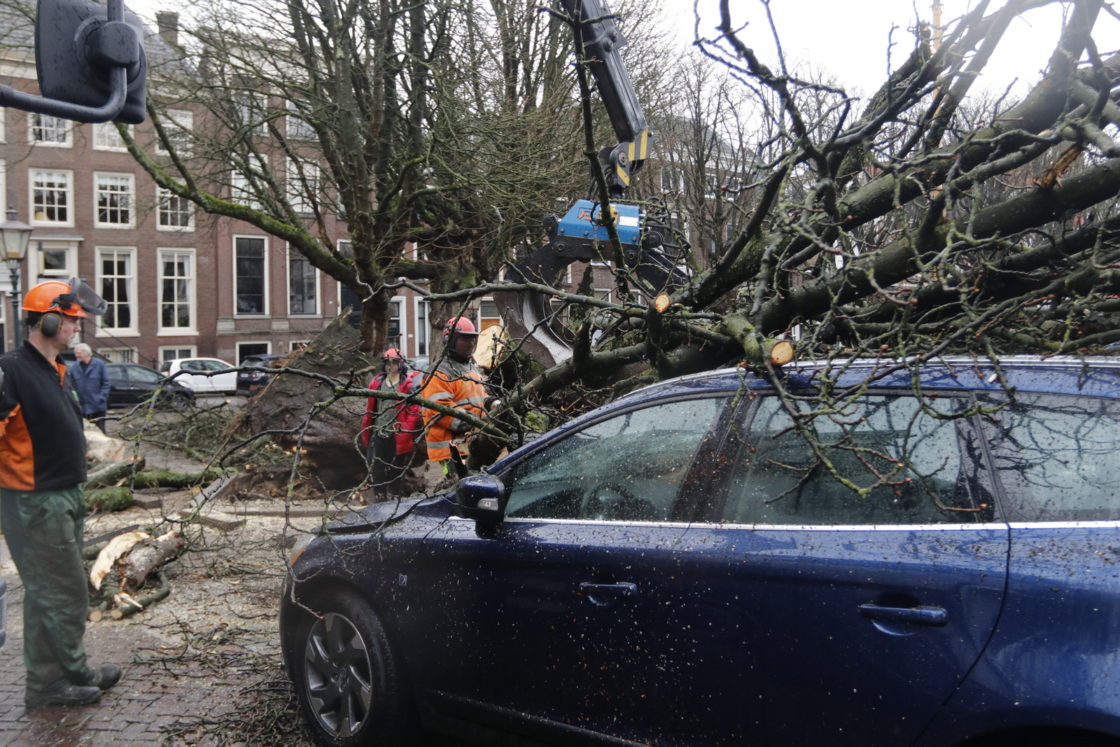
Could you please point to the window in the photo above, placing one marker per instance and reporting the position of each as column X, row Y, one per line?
column 52, row 260
column 422, row 326
column 1055, row 456
column 909, row 461
column 106, row 137
column 249, row 275
column 175, row 213
column 52, row 194
column 177, row 124
column 249, row 108
column 303, row 283
column 303, row 186
column 120, row 355
column 298, row 344
column 245, row 349
column 113, row 194
column 628, row 467
column 240, row 190
column 53, row 132
column 176, row 291
column 298, row 127
column 672, row 180
column 176, row 353
column 395, row 333
column 488, row 314
column 117, row 285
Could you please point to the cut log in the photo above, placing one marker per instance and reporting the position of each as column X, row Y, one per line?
column 148, row 555
column 109, row 555
column 108, row 473
column 109, row 499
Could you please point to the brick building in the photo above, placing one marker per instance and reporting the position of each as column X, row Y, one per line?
column 179, row 282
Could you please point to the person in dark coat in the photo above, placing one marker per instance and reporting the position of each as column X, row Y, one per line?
column 91, row 381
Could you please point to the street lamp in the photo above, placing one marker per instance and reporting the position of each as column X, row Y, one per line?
column 14, row 237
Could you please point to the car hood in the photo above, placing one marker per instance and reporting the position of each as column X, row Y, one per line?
column 379, row 514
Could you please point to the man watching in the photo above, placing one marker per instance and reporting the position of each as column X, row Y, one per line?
column 457, row 383
column 91, row 380
column 42, row 468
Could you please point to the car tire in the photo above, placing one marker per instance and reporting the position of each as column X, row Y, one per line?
column 347, row 678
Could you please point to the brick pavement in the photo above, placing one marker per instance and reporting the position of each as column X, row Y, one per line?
column 160, row 700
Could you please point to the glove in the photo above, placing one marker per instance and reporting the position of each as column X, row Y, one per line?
column 459, row 427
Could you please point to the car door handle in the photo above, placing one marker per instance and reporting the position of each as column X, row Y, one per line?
column 596, row 592
column 916, row 615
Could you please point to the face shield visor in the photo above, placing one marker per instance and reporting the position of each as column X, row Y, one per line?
column 84, row 297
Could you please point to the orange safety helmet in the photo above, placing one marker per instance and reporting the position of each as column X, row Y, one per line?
column 392, row 354
column 460, row 325
column 53, row 295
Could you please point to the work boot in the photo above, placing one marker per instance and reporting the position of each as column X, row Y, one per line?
column 104, row 676
column 71, row 695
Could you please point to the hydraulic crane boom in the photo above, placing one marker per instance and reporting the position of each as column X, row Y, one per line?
column 577, row 235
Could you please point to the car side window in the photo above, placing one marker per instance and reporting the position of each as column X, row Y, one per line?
column 874, row 460
column 628, row 467
column 1056, row 457
column 192, row 366
column 145, row 375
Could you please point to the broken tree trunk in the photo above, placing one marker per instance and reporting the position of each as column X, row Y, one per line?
column 289, row 407
column 147, row 555
column 123, row 566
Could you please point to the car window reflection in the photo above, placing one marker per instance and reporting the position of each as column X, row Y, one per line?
column 627, row 468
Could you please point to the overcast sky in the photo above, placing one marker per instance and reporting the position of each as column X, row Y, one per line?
column 851, row 39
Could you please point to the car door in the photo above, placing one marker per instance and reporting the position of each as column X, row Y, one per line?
column 120, row 387
column 852, row 571
column 568, row 620
column 223, row 376
column 192, row 377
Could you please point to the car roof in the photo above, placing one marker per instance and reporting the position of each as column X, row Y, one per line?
column 1098, row 376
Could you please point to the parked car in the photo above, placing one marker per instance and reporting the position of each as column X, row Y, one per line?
column 132, row 384
column 252, row 375
column 202, row 375
column 933, row 559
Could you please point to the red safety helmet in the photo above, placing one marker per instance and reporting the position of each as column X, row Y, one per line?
column 392, row 354
column 460, row 325
column 52, row 295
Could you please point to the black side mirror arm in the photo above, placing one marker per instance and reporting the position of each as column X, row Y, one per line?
column 77, row 52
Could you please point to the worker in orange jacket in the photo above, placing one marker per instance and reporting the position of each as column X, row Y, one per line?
column 457, row 383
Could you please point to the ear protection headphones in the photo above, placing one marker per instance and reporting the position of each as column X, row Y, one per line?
column 50, row 323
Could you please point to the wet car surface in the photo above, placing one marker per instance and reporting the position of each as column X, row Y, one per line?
column 924, row 556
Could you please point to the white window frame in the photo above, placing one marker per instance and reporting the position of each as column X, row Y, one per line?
column 423, row 325
column 35, row 271
column 401, row 304
column 267, row 306
column 177, row 123
column 132, row 330
column 161, row 194
column 296, row 127
column 241, row 192
column 237, row 350
column 192, row 301
column 55, row 123
column 318, row 312
column 106, row 137
column 68, row 193
column 118, row 355
column 295, row 186
column 191, row 351
column 129, row 197
column 251, row 105
column 297, row 344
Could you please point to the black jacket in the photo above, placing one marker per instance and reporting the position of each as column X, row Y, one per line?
column 42, row 442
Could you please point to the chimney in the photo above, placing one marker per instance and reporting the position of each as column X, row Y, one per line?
column 167, row 23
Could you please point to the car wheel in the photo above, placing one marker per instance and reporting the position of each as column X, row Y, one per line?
column 348, row 681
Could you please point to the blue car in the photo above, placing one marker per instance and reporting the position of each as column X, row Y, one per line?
column 869, row 553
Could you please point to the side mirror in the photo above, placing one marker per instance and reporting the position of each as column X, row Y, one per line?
column 90, row 62
column 482, row 498
column 77, row 49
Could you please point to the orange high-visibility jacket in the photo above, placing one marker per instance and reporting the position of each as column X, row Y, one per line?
column 457, row 385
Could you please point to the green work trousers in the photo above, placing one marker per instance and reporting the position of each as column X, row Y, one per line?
column 44, row 533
